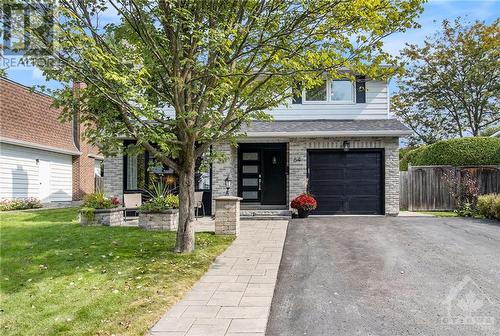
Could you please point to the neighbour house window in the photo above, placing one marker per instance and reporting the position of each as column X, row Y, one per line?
column 333, row 91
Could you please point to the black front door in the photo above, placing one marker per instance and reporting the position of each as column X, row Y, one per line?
column 262, row 173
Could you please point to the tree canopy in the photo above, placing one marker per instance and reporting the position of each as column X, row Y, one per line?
column 451, row 85
column 181, row 75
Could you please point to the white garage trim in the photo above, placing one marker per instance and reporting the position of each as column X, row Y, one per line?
column 37, row 146
column 29, row 172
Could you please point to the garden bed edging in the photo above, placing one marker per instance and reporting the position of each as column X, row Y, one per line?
column 166, row 220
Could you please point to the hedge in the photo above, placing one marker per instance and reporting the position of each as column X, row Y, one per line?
column 455, row 152
column 489, row 206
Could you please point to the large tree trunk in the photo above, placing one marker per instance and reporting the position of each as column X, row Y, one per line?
column 185, row 233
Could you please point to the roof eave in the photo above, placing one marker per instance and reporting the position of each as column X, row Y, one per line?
column 22, row 143
column 321, row 134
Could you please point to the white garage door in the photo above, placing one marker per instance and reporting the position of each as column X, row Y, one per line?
column 28, row 172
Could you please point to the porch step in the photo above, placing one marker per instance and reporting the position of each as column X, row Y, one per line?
column 262, row 214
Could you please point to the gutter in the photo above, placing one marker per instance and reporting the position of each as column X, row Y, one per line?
column 316, row 134
column 37, row 146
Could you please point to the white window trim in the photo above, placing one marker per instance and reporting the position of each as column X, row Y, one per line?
column 328, row 100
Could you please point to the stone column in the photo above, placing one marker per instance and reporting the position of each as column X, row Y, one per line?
column 227, row 215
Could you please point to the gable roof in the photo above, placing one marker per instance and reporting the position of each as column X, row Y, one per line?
column 322, row 128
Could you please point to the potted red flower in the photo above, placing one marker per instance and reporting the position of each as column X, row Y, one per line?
column 304, row 204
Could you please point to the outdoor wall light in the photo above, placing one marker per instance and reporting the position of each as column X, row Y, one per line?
column 346, row 146
column 274, row 160
column 227, row 183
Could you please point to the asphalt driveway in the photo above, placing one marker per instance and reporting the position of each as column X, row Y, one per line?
column 388, row 276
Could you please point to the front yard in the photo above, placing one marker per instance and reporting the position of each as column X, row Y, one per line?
column 60, row 278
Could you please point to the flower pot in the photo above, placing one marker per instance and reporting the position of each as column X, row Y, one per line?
column 303, row 213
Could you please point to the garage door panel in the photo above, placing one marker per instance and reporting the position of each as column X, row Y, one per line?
column 326, row 187
column 346, row 182
column 327, row 204
column 364, row 205
column 365, row 189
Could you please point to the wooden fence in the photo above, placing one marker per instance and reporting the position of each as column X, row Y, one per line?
column 425, row 188
column 99, row 184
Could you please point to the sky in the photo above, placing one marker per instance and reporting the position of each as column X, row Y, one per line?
column 434, row 12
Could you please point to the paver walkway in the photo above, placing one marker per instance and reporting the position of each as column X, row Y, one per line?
column 234, row 297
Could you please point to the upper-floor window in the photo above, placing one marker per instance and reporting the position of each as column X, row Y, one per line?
column 330, row 91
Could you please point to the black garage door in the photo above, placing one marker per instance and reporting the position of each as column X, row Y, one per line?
column 346, row 182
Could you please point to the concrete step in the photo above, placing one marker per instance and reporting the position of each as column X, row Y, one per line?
column 264, row 214
column 265, row 217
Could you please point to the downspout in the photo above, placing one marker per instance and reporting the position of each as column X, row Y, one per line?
column 75, row 118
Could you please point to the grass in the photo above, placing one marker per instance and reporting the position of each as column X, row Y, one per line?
column 441, row 213
column 58, row 278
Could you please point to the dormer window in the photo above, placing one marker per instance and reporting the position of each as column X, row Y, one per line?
column 339, row 91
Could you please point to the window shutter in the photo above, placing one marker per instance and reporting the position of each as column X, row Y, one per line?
column 297, row 98
column 360, row 89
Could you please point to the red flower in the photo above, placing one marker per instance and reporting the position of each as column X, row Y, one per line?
column 305, row 202
column 115, row 200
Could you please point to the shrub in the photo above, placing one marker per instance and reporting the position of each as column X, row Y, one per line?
column 173, row 201
column 410, row 157
column 455, row 152
column 405, row 150
column 161, row 203
column 305, row 202
column 464, row 188
column 489, row 206
column 99, row 201
column 20, row 204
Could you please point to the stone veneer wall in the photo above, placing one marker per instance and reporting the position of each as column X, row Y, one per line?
column 223, row 169
column 298, row 164
column 297, row 161
column 113, row 177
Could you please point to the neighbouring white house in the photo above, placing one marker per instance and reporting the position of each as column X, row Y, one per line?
column 335, row 141
column 39, row 156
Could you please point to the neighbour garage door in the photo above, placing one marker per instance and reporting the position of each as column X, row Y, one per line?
column 346, row 182
column 28, row 172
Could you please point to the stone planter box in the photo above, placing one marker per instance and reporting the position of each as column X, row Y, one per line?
column 166, row 220
column 107, row 217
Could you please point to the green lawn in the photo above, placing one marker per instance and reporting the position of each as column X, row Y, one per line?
column 441, row 213
column 58, row 278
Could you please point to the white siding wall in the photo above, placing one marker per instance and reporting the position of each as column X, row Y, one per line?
column 21, row 176
column 376, row 107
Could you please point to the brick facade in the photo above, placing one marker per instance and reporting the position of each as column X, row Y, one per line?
column 113, row 176
column 28, row 117
column 297, row 162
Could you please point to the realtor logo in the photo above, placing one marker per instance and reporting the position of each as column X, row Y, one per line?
column 27, row 27
column 467, row 304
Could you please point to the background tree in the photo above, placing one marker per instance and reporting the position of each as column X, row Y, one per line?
column 452, row 85
column 214, row 64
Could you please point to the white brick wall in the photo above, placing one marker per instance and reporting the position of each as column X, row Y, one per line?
column 297, row 161
column 113, row 177
column 298, row 164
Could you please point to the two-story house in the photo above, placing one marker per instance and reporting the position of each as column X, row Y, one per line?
column 335, row 141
